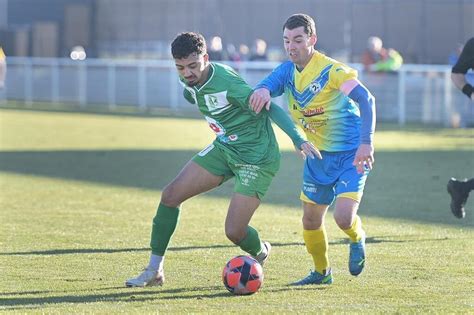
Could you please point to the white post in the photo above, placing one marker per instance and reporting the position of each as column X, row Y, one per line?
column 142, row 87
column 55, row 81
column 174, row 90
column 401, row 97
column 111, row 73
column 447, row 98
column 28, row 82
column 82, row 84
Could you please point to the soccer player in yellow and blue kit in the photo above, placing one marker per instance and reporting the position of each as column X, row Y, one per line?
column 337, row 114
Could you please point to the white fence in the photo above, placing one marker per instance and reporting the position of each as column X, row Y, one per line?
column 417, row 93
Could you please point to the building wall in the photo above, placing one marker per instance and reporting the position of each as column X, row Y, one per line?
column 424, row 31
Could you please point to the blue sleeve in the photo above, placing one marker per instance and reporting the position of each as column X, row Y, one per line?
column 275, row 82
column 366, row 102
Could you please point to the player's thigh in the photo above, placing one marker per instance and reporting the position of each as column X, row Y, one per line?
column 192, row 180
column 241, row 210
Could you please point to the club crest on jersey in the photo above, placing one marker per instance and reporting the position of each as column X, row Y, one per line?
column 217, row 102
column 315, row 87
column 311, row 90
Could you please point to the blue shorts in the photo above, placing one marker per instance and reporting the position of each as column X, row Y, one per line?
column 333, row 176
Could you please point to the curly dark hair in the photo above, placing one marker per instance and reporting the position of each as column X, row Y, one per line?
column 187, row 43
column 301, row 19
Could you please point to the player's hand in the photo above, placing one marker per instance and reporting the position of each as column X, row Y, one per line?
column 364, row 158
column 259, row 99
column 308, row 149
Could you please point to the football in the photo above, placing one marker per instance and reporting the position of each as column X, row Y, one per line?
column 242, row 275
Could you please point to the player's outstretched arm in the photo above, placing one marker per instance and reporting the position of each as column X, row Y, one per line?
column 306, row 148
column 354, row 89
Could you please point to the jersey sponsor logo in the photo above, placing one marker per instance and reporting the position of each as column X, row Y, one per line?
column 220, row 131
column 206, row 150
column 215, row 126
column 311, row 126
column 217, row 102
column 233, row 137
column 312, row 112
column 312, row 90
column 311, row 188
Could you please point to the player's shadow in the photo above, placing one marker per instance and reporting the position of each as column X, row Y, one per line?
column 403, row 185
column 130, row 295
column 340, row 241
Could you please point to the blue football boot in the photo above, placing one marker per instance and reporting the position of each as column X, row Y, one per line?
column 315, row 277
column 357, row 257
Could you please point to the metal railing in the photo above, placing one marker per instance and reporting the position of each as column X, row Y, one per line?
column 416, row 93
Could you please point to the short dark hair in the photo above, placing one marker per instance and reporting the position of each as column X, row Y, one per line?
column 187, row 43
column 301, row 19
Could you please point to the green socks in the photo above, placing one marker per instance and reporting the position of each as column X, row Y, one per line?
column 164, row 225
column 251, row 243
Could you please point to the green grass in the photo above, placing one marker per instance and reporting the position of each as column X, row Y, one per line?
column 78, row 192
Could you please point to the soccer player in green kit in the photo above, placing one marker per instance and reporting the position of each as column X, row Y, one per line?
column 245, row 148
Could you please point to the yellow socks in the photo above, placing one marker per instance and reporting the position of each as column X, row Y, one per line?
column 355, row 232
column 316, row 242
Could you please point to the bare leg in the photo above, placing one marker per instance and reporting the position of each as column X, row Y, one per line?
column 241, row 210
column 191, row 181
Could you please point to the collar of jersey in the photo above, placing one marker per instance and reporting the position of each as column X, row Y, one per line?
column 210, row 76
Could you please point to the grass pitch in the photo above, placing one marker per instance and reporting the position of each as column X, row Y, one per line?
column 79, row 191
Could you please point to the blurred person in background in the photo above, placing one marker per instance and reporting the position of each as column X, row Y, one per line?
column 379, row 59
column 459, row 190
column 3, row 68
column 216, row 51
column 244, row 51
column 3, row 75
column 337, row 113
column 245, row 148
column 232, row 53
column 259, row 52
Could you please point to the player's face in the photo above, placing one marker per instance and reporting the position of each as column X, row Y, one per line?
column 299, row 46
column 194, row 69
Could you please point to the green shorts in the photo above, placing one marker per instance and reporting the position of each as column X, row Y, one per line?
column 250, row 180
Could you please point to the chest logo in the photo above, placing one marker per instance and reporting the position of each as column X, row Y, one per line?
column 216, row 102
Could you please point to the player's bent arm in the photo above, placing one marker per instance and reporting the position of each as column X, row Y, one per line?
column 366, row 101
column 275, row 81
column 278, row 115
column 285, row 123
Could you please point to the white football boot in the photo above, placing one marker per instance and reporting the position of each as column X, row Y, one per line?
column 263, row 256
column 147, row 278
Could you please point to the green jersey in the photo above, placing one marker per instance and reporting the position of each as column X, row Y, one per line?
column 223, row 100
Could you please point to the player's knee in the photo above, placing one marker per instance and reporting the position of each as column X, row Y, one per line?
column 343, row 221
column 311, row 223
column 169, row 197
column 235, row 235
